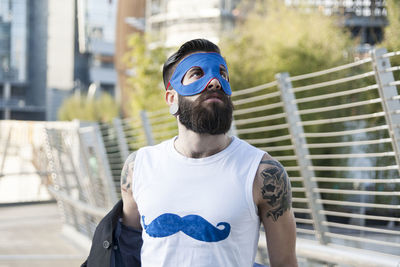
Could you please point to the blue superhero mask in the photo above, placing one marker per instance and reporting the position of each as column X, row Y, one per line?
column 209, row 63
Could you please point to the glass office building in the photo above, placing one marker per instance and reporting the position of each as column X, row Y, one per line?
column 49, row 49
column 96, row 24
column 13, row 58
column 13, row 45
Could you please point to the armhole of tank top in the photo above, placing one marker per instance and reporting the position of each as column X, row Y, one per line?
column 249, row 184
column 136, row 171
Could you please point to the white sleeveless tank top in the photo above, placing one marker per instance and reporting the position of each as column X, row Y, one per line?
column 197, row 212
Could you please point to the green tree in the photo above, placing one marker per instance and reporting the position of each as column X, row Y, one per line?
column 274, row 38
column 145, row 89
column 102, row 109
column 391, row 39
column 392, row 31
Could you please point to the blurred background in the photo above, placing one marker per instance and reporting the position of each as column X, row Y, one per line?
column 315, row 84
column 53, row 50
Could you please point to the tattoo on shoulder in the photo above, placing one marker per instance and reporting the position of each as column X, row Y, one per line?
column 125, row 182
column 276, row 188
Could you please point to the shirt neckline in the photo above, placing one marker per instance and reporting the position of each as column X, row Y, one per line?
column 206, row 160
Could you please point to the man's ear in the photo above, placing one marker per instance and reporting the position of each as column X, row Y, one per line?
column 171, row 97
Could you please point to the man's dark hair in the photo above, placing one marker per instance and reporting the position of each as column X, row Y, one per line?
column 196, row 45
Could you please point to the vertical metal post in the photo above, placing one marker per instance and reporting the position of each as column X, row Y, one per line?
column 147, row 127
column 121, row 139
column 84, row 190
column 90, row 192
column 299, row 141
column 104, row 165
column 54, row 152
column 388, row 93
column 6, row 97
column 76, row 175
column 7, row 144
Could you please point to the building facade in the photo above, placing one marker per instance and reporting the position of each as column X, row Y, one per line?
column 366, row 19
column 96, row 22
column 175, row 21
column 14, row 77
column 51, row 48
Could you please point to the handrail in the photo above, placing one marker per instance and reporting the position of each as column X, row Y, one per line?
column 327, row 71
column 254, row 89
column 337, row 94
column 334, row 82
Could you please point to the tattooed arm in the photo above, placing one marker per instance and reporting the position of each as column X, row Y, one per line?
column 273, row 197
column 131, row 216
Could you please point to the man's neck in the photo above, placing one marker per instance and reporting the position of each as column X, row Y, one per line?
column 194, row 145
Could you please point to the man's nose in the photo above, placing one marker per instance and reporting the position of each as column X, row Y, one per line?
column 214, row 84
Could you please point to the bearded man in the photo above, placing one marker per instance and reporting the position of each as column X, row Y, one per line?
column 199, row 198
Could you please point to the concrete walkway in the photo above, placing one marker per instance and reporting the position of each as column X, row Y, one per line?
column 30, row 236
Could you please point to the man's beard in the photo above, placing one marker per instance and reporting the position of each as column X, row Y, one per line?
column 206, row 118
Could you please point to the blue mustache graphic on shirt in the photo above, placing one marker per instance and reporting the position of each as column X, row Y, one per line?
column 192, row 225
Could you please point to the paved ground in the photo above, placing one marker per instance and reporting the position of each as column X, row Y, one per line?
column 30, row 236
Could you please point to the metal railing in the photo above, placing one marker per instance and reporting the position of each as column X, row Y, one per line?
column 348, row 150
column 336, row 132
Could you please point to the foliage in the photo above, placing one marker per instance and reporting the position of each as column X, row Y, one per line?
column 274, row 38
column 102, row 109
column 392, row 31
column 145, row 89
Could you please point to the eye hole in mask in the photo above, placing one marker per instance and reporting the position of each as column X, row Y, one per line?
column 192, row 75
column 195, row 72
column 224, row 73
